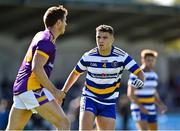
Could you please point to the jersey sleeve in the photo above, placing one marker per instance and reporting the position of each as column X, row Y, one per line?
column 81, row 66
column 45, row 48
column 131, row 65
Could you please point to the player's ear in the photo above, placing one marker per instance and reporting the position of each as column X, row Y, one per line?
column 112, row 38
column 142, row 59
column 59, row 22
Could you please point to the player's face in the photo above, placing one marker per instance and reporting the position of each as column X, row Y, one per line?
column 150, row 61
column 104, row 40
column 62, row 25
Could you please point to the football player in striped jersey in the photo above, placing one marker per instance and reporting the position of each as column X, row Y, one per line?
column 104, row 65
column 145, row 100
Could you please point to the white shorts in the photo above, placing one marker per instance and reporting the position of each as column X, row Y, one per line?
column 32, row 99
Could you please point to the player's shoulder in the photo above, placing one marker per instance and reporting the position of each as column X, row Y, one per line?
column 91, row 52
column 119, row 52
column 151, row 74
column 42, row 36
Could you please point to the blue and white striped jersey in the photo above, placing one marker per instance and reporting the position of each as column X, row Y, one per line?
column 146, row 95
column 104, row 74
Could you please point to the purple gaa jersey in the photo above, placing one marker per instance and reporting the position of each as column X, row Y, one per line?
column 26, row 79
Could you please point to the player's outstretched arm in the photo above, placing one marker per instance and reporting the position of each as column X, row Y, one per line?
column 72, row 78
column 131, row 95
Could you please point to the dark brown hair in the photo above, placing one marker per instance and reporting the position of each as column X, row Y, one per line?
column 53, row 14
column 105, row 28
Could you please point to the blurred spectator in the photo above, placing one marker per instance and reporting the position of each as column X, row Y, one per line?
column 175, row 85
column 6, row 85
column 73, row 113
column 4, row 112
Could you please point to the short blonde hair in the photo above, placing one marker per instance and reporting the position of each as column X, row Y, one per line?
column 148, row 52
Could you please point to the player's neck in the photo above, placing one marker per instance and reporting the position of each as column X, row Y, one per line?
column 54, row 34
column 105, row 52
column 146, row 68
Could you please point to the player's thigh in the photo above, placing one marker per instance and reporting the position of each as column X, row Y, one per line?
column 86, row 120
column 140, row 120
column 105, row 123
column 152, row 126
column 18, row 118
column 52, row 112
column 152, row 122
